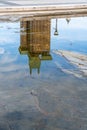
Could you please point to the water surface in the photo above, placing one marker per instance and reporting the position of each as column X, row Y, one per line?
column 35, row 92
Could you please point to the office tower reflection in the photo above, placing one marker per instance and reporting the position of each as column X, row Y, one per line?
column 35, row 41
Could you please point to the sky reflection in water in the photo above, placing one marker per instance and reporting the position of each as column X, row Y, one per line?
column 44, row 98
column 71, row 36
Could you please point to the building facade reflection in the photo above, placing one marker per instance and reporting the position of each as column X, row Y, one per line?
column 35, row 41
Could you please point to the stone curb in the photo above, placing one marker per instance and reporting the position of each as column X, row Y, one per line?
column 44, row 9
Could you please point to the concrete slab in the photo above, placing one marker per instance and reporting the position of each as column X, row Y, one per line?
column 42, row 8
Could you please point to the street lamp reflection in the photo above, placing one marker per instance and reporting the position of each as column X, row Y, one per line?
column 56, row 30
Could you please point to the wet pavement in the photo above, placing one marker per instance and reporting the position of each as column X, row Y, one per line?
column 35, row 93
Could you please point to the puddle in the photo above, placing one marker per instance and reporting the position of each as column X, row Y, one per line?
column 43, row 73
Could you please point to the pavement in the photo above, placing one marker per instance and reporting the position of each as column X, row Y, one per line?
column 11, row 6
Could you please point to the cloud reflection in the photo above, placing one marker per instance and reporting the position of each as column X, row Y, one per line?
column 2, row 50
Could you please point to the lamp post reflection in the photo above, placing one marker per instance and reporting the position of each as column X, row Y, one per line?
column 56, row 29
column 68, row 20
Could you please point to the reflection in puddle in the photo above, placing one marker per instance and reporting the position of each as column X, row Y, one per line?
column 35, row 42
column 56, row 99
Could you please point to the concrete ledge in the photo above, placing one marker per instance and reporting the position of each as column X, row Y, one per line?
column 33, row 10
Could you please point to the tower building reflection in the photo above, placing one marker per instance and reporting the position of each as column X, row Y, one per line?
column 35, row 41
